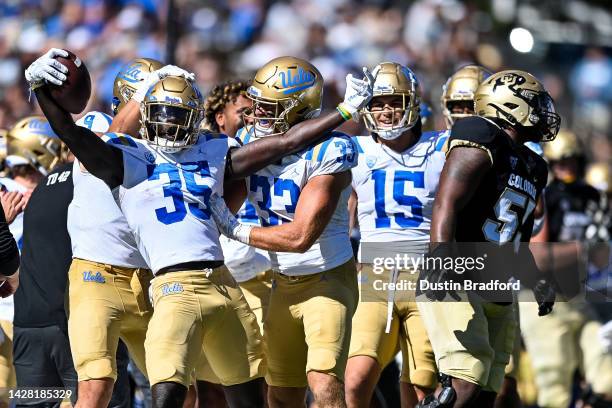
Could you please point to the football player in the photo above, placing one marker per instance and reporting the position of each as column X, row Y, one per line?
column 108, row 280
column 223, row 111
column 479, row 200
column 566, row 339
column 32, row 151
column 395, row 182
column 458, row 102
column 301, row 201
column 458, row 92
column 163, row 185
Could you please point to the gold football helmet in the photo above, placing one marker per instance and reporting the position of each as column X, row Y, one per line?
column 32, row 142
column 519, row 99
column 598, row 175
column 392, row 79
column 565, row 145
column 459, row 91
column 127, row 80
column 171, row 114
column 285, row 91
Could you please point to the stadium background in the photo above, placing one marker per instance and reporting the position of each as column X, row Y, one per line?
column 566, row 44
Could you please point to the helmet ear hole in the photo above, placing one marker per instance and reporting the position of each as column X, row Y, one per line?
column 511, row 105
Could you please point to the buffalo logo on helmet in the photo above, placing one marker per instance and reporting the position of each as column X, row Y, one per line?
column 510, row 79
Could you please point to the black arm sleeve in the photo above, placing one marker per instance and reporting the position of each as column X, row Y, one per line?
column 100, row 159
column 9, row 254
column 248, row 159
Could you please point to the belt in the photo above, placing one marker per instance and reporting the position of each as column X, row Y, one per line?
column 191, row 266
column 290, row 277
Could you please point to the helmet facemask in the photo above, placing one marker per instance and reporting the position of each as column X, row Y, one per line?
column 451, row 117
column 390, row 123
column 268, row 117
column 170, row 127
column 543, row 115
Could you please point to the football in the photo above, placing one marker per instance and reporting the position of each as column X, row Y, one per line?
column 74, row 94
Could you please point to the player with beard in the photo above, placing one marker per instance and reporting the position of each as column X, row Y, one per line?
column 478, row 200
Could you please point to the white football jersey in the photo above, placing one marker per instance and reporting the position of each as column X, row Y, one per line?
column 275, row 190
column 244, row 261
column 396, row 191
column 164, row 198
column 98, row 230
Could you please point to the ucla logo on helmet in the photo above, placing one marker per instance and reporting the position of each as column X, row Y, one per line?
column 150, row 157
column 41, row 127
column 132, row 73
column 294, row 80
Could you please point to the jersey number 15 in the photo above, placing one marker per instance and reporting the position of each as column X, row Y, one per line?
column 383, row 218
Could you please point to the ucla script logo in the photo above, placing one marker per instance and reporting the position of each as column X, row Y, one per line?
column 292, row 81
column 89, row 276
column 171, row 288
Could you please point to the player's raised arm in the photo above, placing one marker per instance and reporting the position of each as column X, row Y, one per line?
column 254, row 156
column 102, row 160
column 461, row 175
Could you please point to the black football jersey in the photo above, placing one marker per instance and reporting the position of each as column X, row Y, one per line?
column 572, row 211
column 501, row 209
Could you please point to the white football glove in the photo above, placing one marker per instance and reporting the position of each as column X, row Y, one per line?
column 226, row 222
column 47, row 69
column 605, row 336
column 156, row 76
column 358, row 93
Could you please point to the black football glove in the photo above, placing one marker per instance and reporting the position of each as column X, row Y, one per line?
column 545, row 295
column 435, row 276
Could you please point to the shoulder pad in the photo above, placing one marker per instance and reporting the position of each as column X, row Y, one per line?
column 437, row 137
column 475, row 132
column 474, row 129
column 121, row 139
column 336, row 147
column 358, row 141
column 244, row 134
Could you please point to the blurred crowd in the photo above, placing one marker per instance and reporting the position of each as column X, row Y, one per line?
column 221, row 39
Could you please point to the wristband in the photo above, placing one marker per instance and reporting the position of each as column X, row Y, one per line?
column 343, row 112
